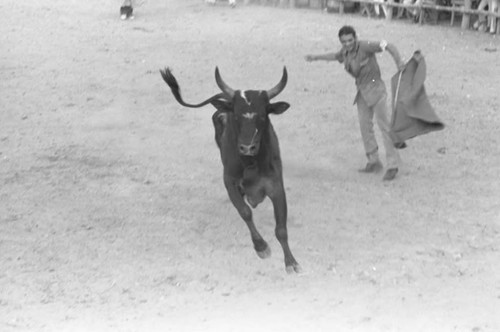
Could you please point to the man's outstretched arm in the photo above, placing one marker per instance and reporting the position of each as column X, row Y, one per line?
column 333, row 56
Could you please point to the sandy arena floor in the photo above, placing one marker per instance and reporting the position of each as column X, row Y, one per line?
column 114, row 217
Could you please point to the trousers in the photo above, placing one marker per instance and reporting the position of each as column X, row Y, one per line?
column 365, row 115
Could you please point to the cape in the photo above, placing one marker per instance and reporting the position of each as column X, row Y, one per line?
column 412, row 113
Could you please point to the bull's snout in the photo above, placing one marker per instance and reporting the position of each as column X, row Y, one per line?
column 248, row 150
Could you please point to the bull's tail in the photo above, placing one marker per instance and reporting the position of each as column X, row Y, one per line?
column 169, row 78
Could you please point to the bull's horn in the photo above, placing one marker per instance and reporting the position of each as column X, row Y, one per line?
column 222, row 85
column 280, row 86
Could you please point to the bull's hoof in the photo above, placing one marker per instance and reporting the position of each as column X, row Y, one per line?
column 293, row 269
column 266, row 253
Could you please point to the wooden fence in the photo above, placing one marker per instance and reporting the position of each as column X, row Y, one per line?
column 462, row 7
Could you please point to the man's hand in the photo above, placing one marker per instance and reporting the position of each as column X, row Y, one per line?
column 401, row 65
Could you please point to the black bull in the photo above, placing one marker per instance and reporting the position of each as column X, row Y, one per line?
column 250, row 154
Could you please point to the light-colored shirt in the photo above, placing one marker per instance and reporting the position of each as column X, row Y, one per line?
column 362, row 64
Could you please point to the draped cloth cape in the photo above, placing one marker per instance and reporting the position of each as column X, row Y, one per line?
column 412, row 113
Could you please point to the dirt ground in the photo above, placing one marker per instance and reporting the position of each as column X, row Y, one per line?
column 114, row 217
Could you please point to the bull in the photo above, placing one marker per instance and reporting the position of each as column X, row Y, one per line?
column 250, row 154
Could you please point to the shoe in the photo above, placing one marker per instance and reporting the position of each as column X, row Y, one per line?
column 390, row 174
column 372, row 167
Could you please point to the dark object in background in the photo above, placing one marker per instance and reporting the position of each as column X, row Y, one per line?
column 126, row 12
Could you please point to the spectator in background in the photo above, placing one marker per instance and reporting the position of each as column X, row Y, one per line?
column 377, row 7
column 410, row 13
column 484, row 22
column 232, row 3
column 126, row 10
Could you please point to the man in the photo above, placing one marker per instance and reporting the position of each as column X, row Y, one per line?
column 483, row 22
column 359, row 60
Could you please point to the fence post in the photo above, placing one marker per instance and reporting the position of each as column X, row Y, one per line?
column 389, row 10
column 421, row 13
column 341, row 7
column 466, row 16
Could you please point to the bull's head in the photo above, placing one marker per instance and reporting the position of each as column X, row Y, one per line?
column 246, row 111
column 249, row 111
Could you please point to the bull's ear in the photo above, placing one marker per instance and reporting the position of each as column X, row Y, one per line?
column 278, row 108
column 222, row 105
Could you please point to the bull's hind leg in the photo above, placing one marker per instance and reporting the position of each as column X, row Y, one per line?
column 236, row 197
column 280, row 214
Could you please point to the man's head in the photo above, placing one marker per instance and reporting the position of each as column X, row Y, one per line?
column 347, row 36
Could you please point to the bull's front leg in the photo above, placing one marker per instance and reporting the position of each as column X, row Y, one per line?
column 278, row 197
column 236, row 197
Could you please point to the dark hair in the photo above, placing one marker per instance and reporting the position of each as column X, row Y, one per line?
column 347, row 30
